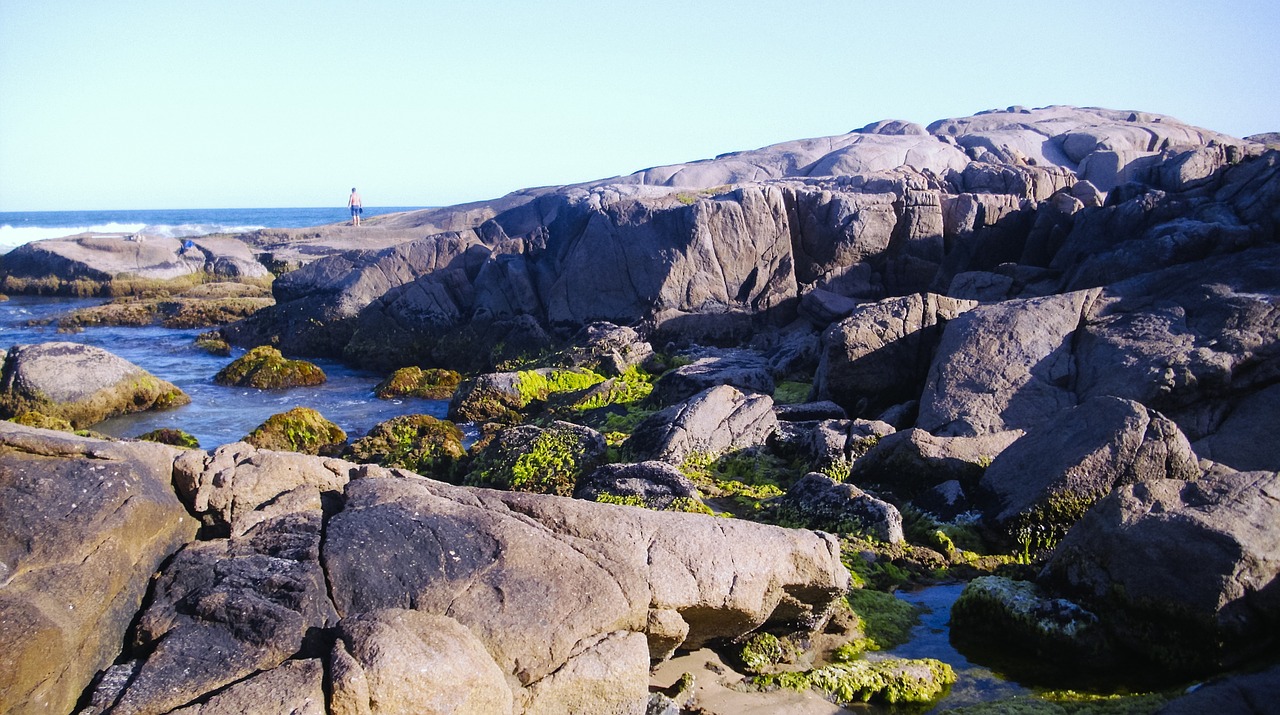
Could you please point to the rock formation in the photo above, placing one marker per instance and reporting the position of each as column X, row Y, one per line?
column 321, row 585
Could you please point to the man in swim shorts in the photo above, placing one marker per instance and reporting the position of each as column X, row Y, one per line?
column 356, row 205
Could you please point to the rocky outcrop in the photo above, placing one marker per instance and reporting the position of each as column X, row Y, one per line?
column 418, row 443
column 321, row 585
column 413, row 381
column 79, row 383
column 653, row 485
column 85, row 524
column 1185, row 573
column 118, row 263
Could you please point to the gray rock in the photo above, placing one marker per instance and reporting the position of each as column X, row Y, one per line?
column 878, row 356
column 1003, row 366
column 537, row 578
column 1046, row 480
column 744, row 369
column 225, row 609
column 819, row 502
column 711, row 423
column 1245, row 438
column 104, row 258
column 82, row 384
column 809, row 411
column 1184, row 573
column 1018, row 615
column 913, row 461
column 945, row 501
column 1253, row 693
column 402, row 661
column 657, row 484
column 84, row 525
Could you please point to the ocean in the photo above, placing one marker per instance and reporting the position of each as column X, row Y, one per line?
column 19, row 227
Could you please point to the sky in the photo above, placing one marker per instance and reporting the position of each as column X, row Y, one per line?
column 268, row 103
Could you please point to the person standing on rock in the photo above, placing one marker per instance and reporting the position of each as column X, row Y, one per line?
column 357, row 207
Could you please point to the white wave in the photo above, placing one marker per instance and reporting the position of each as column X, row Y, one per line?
column 13, row 236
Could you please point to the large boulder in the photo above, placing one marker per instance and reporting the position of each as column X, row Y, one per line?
column 542, row 582
column 1044, row 482
column 912, row 461
column 300, row 429
column 82, row 384
column 83, row 526
column 711, row 423
column 1185, row 573
column 879, row 355
column 418, row 443
column 1003, row 367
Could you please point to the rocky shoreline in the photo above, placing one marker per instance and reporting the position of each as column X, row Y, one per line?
column 1039, row 349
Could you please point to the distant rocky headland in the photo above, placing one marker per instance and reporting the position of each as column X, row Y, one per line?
column 1036, row 350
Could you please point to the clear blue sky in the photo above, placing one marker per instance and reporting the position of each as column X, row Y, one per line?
column 228, row 103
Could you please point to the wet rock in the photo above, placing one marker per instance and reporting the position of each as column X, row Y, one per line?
column 301, row 429
column 945, row 501
column 85, row 524
column 265, row 368
column 1018, row 615
column 79, row 383
column 502, row 396
column 172, row 437
column 711, row 423
column 1184, row 573
column 1246, row 693
column 819, row 502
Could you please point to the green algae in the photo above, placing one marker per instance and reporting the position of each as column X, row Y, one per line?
column 892, row 681
column 413, row 381
column 172, row 437
column 418, row 443
column 301, row 429
column 264, row 367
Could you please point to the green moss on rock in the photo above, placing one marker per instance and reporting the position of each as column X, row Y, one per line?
column 301, row 429
column 886, row 619
column 418, row 443
column 892, row 681
column 431, row 384
column 170, row 436
column 32, row 418
column 533, row 459
column 265, row 368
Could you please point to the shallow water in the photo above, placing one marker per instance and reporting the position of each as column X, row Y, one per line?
column 931, row 638
column 217, row 415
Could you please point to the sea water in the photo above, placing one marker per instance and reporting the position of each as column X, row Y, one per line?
column 19, row 227
column 217, row 414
